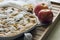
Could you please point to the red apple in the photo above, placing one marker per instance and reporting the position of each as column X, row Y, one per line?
column 45, row 16
column 39, row 7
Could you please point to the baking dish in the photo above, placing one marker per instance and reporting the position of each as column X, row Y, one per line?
column 7, row 4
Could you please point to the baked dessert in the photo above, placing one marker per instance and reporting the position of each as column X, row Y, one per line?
column 28, row 8
column 14, row 21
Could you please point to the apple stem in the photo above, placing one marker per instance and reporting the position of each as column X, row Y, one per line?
column 43, row 4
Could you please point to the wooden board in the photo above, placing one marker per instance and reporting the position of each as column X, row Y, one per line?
column 42, row 32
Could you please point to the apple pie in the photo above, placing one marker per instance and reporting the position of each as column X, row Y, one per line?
column 14, row 21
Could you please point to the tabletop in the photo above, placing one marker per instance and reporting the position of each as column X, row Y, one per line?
column 55, row 34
